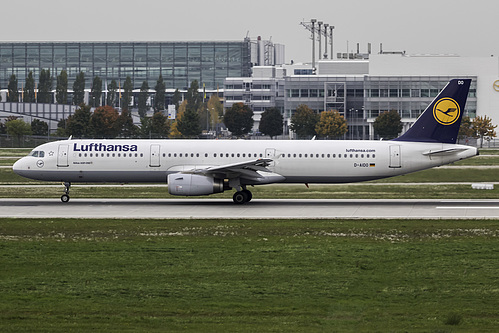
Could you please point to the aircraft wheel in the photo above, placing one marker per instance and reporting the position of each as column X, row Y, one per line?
column 240, row 197
column 65, row 198
column 249, row 195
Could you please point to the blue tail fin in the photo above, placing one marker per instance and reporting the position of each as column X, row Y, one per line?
column 440, row 121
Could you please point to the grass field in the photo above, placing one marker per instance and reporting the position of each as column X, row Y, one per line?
column 248, row 276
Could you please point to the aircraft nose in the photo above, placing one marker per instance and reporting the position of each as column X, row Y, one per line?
column 20, row 166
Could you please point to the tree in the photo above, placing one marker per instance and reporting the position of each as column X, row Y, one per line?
column 304, row 120
column 18, row 129
column 126, row 126
column 239, row 119
column 188, row 125
column 29, row 89
column 271, row 122
column 39, row 127
column 160, row 127
column 159, row 98
column 45, row 87
column 13, row 93
column 61, row 91
column 483, row 128
column 142, row 103
column 105, row 123
column 388, row 124
column 78, row 124
column 112, row 88
column 174, row 131
column 96, row 92
column 79, row 89
column 177, row 99
column 61, row 128
column 126, row 97
column 216, row 110
column 193, row 98
column 331, row 125
column 466, row 128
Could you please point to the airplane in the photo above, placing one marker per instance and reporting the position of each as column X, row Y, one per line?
column 204, row 167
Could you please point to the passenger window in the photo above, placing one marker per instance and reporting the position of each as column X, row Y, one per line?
column 374, row 155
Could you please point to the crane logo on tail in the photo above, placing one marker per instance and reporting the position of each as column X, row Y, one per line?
column 446, row 111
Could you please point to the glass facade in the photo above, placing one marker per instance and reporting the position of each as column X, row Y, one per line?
column 179, row 62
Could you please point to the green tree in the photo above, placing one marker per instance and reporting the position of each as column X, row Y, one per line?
column 126, row 126
column 388, row 124
column 331, row 125
column 78, row 125
column 96, row 92
column 112, row 88
column 79, row 89
column 29, row 89
column 271, row 122
column 39, row 127
column 159, row 98
column 304, row 120
column 61, row 128
column 188, row 125
column 193, row 97
column 142, row 102
column 45, row 87
column 160, row 126
column 105, row 122
column 13, row 92
column 483, row 129
column 61, row 91
column 126, row 97
column 18, row 129
column 239, row 119
column 466, row 128
column 177, row 99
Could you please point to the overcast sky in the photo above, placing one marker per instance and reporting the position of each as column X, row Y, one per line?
column 463, row 27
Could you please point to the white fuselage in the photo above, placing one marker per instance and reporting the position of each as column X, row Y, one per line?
column 315, row 161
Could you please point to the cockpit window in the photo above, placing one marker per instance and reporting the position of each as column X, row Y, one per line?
column 37, row 153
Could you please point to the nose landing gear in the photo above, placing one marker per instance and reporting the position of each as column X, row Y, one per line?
column 65, row 196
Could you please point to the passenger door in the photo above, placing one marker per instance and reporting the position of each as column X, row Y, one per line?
column 395, row 159
column 62, row 156
column 155, row 151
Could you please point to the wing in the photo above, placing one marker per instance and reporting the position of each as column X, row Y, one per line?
column 254, row 171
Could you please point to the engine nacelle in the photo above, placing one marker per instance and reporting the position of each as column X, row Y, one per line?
column 189, row 185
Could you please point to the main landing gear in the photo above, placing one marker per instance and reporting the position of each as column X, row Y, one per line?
column 241, row 197
column 65, row 196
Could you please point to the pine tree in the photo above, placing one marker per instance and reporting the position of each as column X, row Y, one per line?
column 159, row 99
column 112, row 88
column 29, row 89
column 127, row 93
column 142, row 102
column 79, row 89
column 61, row 94
column 96, row 92
column 13, row 93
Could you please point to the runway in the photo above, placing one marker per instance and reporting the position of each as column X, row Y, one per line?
column 256, row 209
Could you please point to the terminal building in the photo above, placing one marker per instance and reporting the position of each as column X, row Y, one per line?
column 361, row 88
column 253, row 71
column 179, row 63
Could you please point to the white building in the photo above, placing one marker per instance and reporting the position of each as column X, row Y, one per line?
column 361, row 89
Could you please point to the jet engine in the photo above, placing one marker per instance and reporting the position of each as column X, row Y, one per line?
column 189, row 185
